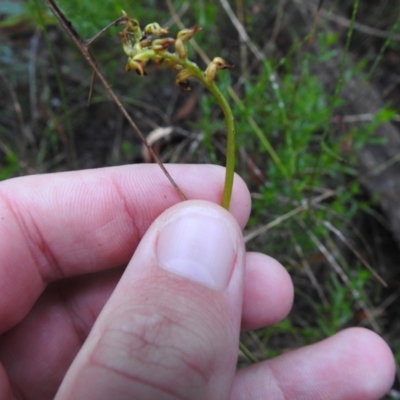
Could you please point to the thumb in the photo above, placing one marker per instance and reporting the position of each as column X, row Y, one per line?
column 171, row 328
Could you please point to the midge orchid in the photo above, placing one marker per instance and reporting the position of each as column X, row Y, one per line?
column 143, row 46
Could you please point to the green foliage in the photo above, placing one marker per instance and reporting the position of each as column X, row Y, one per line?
column 294, row 114
column 301, row 151
column 89, row 17
column 333, row 316
column 10, row 167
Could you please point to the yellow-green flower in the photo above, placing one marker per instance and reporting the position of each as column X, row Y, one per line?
column 215, row 65
column 155, row 29
column 182, row 79
column 181, row 39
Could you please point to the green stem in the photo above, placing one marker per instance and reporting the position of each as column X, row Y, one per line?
column 229, row 121
column 230, row 144
column 247, row 353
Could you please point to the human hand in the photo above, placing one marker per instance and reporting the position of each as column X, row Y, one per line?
column 148, row 332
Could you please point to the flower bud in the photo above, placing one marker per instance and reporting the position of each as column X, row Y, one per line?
column 131, row 25
column 172, row 65
column 181, row 39
column 126, row 44
column 162, row 44
column 181, row 79
column 215, row 65
column 187, row 34
column 155, row 29
column 145, row 42
column 135, row 65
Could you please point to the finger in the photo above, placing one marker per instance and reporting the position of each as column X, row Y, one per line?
column 38, row 351
column 171, row 327
column 268, row 292
column 59, row 225
column 353, row 364
column 47, row 340
column 5, row 387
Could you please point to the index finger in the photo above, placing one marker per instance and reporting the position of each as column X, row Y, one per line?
column 59, row 225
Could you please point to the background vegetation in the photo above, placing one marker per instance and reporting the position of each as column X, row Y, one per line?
column 299, row 139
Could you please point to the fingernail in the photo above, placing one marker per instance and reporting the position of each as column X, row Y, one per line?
column 199, row 245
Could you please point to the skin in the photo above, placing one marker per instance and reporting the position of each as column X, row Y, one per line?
column 65, row 241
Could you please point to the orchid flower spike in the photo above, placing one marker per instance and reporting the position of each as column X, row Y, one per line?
column 148, row 46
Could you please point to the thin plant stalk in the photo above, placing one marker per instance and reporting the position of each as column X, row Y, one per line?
column 82, row 46
column 229, row 122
